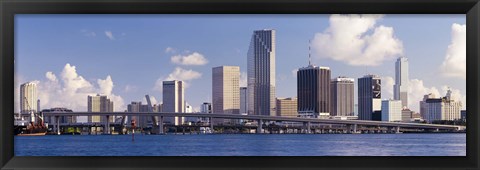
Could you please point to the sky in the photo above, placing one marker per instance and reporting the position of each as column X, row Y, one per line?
column 128, row 56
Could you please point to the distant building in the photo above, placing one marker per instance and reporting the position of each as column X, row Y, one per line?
column 99, row 103
column 407, row 115
column 392, row 110
column 173, row 100
column 142, row 121
column 28, row 100
column 313, row 91
column 158, row 107
column 261, row 73
column 225, row 91
column 243, row 100
column 63, row 119
column 463, row 115
column 205, row 108
column 377, row 115
column 400, row 88
column 342, row 102
column 443, row 108
column 287, row 107
column 369, row 96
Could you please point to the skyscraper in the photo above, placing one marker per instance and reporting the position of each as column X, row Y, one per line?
column 261, row 73
column 369, row 96
column 243, row 101
column 225, row 90
column 141, row 121
column 99, row 103
column 342, row 96
column 28, row 99
column 400, row 88
column 173, row 100
column 313, row 91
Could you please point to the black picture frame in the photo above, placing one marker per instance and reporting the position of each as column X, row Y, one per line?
column 9, row 8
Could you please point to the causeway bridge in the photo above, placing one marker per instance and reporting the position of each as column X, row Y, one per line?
column 352, row 126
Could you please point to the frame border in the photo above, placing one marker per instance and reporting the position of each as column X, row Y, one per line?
column 8, row 8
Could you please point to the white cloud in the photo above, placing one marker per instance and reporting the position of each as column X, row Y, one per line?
column 71, row 90
column 294, row 72
column 109, row 34
column 416, row 91
column 130, row 88
column 243, row 79
column 454, row 64
column 190, row 59
column 177, row 74
column 170, row 50
column 88, row 33
column 356, row 40
column 387, row 87
column 152, row 99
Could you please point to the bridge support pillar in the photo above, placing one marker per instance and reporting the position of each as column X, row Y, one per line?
column 211, row 125
column 309, row 128
column 354, row 128
column 397, row 129
column 107, row 126
column 58, row 124
column 259, row 127
column 160, row 126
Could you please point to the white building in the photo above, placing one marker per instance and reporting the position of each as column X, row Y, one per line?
column 400, row 88
column 443, row 108
column 392, row 110
column 225, row 91
column 261, row 73
column 173, row 100
column 28, row 100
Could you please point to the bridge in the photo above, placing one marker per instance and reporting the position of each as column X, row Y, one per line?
column 352, row 125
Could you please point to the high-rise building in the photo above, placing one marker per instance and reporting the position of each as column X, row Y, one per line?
column 243, row 100
column 392, row 110
column 173, row 100
column 28, row 100
column 287, row 107
column 313, row 91
column 142, row 121
column 205, row 108
column 400, row 88
column 343, row 95
column 261, row 73
column 99, row 103
column 444, row 108
column 369, row 96
column 225, row 91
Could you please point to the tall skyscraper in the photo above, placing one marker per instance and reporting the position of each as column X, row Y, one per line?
column 391, row 110
column 369, row 96
column 205, row 108
column 287, row 107
column 243, row 100
column 400, row 88
column 99, row 103
column 225, row 90
column 261, row 73
column 444, row 108
column 313, row 91
column 28, row 100
column 343, row 95
column 173, row 100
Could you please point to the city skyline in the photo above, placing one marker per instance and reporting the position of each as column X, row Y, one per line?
column 186, row 65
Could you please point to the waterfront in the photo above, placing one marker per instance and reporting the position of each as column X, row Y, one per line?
column 432, row 144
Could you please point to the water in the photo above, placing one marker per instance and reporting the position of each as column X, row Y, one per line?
column 244, row 145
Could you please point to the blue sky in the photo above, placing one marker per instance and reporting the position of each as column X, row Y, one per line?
column 136, row 52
